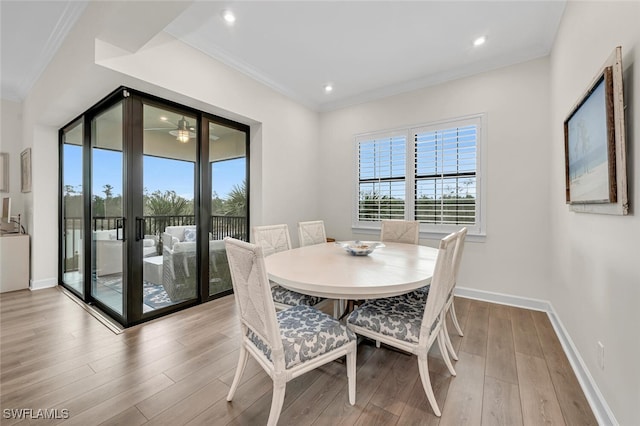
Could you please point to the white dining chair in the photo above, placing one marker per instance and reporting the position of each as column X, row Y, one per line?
column 449, row 305
column 419, row 295
column 274, row 239
column 413, row 327
column 288, row 343
column 400, row 231
column 311, row 232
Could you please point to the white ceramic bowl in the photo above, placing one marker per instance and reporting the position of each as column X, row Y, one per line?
column 360, row 248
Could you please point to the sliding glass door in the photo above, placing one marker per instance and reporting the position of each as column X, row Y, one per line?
column 72, row 208
column 149, row 190
column 108, row 221
column 229, row 198
column 169, row 154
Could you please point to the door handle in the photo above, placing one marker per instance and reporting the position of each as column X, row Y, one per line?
column 140, row 226
column 120, row 229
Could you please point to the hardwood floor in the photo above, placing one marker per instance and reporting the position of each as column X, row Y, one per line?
column 178, row 369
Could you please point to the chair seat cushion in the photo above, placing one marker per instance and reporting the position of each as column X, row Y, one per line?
column 419, row 295
column 399, row 317
column 306, row 334
column 291, row 298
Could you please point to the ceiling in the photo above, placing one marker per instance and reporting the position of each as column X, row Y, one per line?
column 365, row 49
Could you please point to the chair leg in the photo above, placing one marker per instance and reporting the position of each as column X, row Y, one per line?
column 448, row 341
column 276, row 403
column 185, row 266
column 454, row 318
column 443, row 350
column 426, row 384
column 242, row 363
column 351, row 375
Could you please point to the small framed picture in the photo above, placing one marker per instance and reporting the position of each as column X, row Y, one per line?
column 25, row 170
column 4, row 172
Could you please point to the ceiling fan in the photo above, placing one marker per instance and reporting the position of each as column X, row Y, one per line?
column 183, row 131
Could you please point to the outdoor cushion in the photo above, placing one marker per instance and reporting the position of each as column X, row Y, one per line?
column 306, row 334
column 190, row 234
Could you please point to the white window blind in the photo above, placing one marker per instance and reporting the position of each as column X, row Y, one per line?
column 429, row 173
column 445, row 173
column 382, row 178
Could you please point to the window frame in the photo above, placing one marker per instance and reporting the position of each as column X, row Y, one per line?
column 435, row 231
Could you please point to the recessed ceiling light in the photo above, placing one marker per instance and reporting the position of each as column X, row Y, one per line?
column 228, row 17
column 479, row 41
column 163, row 118
column 328, row 88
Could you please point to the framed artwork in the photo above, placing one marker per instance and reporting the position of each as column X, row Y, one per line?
column 590, row 160
column 594, row 143
column 25, row 170
column 4, row 172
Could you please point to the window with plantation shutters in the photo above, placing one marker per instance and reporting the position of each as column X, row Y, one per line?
column 428, row 173
column 382, row 164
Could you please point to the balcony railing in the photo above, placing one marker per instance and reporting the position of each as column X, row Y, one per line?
column 219, row 226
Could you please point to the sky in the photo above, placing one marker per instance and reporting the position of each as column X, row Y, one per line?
column 159, row 173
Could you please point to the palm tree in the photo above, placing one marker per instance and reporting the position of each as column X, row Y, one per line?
column 167, row 203
column 236, row 202
column 108, row 191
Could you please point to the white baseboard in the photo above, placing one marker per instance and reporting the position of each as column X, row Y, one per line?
column 598, row 404
column 40, row 284
column 504, row 299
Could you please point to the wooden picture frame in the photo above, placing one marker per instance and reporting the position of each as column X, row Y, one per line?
column 4, row 172
column 595, row 145
column 25, row 170
column 589, row 146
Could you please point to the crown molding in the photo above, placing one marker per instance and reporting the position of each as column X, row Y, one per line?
column 72, row 11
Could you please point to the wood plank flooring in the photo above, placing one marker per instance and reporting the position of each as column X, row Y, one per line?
column 177, row 371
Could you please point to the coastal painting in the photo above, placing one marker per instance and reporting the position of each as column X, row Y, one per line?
column 590, row 146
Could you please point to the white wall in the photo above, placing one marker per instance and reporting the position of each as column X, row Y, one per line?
column 516, row 102
column 284, row 134
column 596, row 278
column 302, row 166
column 11, row 143
column 283, row 166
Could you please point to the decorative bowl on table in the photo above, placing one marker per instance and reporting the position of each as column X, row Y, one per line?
column 360, row 248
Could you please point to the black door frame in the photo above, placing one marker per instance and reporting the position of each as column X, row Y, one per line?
column 133, row 205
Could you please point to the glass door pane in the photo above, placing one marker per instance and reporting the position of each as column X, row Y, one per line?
column 72, row 209
column 107, row 221
column 169, row 263
column 229, row 207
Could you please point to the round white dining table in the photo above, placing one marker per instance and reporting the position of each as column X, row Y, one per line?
column 327, row 270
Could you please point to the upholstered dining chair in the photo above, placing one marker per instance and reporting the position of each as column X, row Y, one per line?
column 409, row 326
column 311, row 232
column 449, row 306
column 274, row 239
column 288, row 343
column 418, row 296
column 400, row 231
